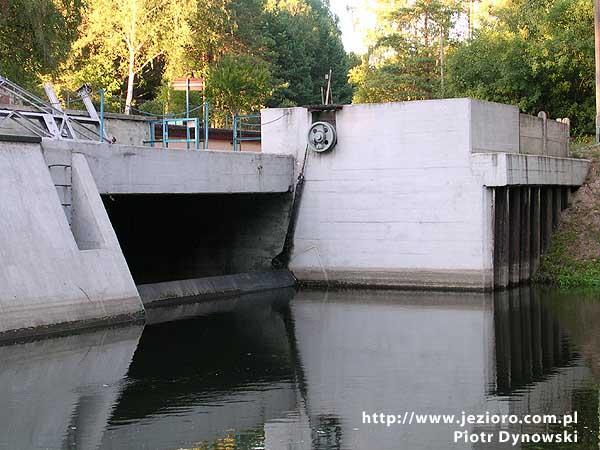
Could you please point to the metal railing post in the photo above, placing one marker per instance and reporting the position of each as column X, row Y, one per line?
column 101, row 115
column 235, row 138
column 206, row 125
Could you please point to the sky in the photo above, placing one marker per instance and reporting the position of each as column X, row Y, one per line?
column 355, row 20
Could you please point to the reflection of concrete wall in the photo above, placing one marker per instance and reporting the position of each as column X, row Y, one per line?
column 61, row 391
column 427, row 352
column 209, row 420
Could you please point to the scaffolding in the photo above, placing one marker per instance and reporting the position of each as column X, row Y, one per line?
column 48, row 119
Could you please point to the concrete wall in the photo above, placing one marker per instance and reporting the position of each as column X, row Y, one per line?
column 501, row 128
column 53, row 277
column 393, row 204
column 127, row 130
column 542, row 136
column 401, row 200
column 142, row 170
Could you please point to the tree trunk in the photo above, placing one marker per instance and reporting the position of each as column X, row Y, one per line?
column 130, row 82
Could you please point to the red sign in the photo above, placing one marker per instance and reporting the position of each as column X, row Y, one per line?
column 181, row 84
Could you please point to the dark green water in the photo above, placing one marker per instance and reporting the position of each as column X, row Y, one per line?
column 287, row 370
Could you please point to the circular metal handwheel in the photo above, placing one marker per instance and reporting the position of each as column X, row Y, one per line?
column 322, row 137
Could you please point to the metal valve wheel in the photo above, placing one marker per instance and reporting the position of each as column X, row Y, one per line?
column 322, row 137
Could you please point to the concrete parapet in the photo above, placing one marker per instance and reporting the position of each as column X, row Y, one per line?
column 506, row 169
column 121, row 169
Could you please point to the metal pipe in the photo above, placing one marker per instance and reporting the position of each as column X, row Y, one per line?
column 187, row 112
column 101, row 115
column 235, row 133
column 206, row 125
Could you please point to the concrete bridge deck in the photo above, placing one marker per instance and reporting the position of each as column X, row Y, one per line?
column 121, row 169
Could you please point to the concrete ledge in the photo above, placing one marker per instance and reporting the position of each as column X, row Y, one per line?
column 120, row 169
column 276, row 298
column 462, row 280
column 209, row 288
column 509, row 169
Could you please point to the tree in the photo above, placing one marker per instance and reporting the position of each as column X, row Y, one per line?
column 301, row 41
column 537, row 54
column 35, row 36
column 407, row 59
column 118, row 39
column 239, row 84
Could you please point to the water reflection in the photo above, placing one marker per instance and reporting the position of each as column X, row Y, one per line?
column 59, row 393
column 261, row 372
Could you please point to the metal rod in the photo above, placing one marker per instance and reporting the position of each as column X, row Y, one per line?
column 187, row 111
column 206, row 124
column 101, row 115
column 235, row 119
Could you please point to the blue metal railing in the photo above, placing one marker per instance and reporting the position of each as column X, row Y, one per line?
column 167, row 140
column 245, row 123
column 190, row 123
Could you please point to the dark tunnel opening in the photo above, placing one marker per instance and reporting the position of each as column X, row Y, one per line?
column 176, row 237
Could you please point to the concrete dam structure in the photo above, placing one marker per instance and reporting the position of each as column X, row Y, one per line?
column 85, row 228
column 452, row 194
column 457, row 193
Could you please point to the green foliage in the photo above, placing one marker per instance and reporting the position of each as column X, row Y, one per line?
column 537, row 54
column 134, row 48
column 301, row 41
column 406, row 61
column 238, row 85
column 559, row 268
column 35, row 35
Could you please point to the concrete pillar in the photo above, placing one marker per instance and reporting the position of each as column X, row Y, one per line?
column 525, row 251
column 501, row 237
column 535, row 230
column 547, row 202
column 515, row 235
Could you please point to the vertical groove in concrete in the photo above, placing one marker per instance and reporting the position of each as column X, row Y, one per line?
column 515, row 234
column 556, row 206
column 564, row 197
column 501, row 237
column 525, row 251
column 546, row 217
column 535, row 227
